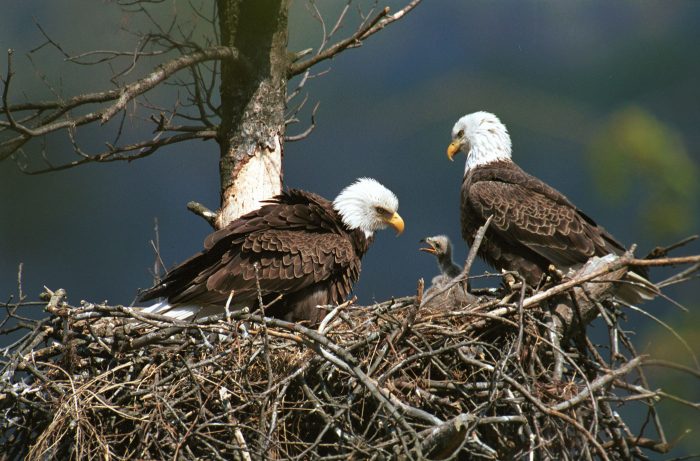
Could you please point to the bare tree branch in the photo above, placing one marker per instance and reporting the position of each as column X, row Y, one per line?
column 44, row 124
column 203, row 212
column 115, row 154
column 308, row 131
column 381, row 20
column 163, row 72
column 122, row 95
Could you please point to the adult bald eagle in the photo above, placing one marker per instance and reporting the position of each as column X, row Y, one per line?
column 306, row 249
column 533, row 224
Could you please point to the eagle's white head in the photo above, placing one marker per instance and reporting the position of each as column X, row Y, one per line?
column 482, row 137
column 368, row 206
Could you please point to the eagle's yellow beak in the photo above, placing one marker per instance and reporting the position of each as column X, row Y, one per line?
column 396, row 222
column 453, row 148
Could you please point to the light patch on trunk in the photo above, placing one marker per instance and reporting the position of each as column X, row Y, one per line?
column 260, row 178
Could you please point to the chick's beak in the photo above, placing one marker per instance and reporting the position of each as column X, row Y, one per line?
column 453, row 148
column 429, row 248
column 396, row 222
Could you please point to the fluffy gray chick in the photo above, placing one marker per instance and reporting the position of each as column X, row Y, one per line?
column 441, row 247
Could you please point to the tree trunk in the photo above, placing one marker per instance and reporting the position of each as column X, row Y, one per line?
column 253, row 97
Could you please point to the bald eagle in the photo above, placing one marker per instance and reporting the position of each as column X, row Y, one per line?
column 298, row 245
column 534, row 226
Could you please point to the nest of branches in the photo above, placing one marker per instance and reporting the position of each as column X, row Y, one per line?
column 503, row 375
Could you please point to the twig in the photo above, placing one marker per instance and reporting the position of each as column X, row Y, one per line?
column 299, row 67
column 203, row 212
column 598, row 383
column 663, row 251
column 163, row 72
column 474, row 250
column 123, row 95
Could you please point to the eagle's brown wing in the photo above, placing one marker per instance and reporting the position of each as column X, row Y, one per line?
column 297, row 243
column 548, row 225
column 288, row 261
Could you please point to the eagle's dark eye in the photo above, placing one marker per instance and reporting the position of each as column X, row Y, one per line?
column 382, row 211
column 460, row 133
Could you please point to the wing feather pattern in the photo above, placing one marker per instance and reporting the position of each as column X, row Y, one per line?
column 533, row 224
column 298, row 244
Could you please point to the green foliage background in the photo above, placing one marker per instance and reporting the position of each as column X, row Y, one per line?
column 635, row 148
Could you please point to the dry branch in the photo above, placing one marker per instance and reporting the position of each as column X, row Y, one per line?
column 399, row 379
column 47, row 117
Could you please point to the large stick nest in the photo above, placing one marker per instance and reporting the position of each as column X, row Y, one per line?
column 500, row 376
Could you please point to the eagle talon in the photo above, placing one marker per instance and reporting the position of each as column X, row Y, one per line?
column 555, row 273
column 510, row 282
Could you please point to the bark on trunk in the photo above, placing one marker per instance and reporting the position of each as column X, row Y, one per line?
column 253, row 97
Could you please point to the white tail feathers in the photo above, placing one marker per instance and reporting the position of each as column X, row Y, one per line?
column 179, row 312
column 631, row 288
column 185, row 312
column 636, row 289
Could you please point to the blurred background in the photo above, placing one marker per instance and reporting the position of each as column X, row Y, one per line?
column 601, row 98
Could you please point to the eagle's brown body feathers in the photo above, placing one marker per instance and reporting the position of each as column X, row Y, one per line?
column 302, row 250
column 533, row 224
